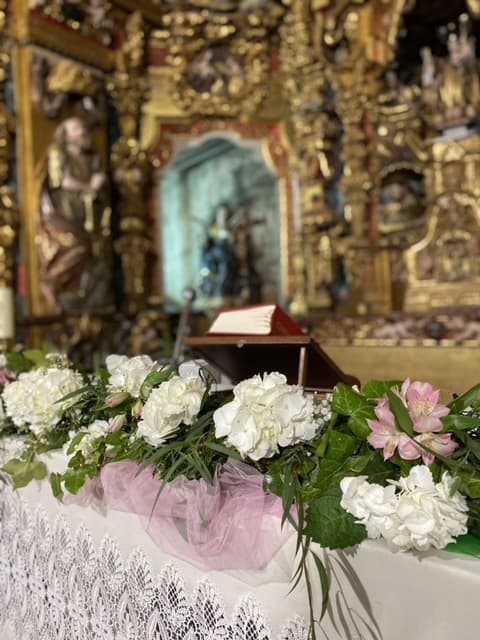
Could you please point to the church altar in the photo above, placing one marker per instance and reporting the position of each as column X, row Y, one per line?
column 71, row 571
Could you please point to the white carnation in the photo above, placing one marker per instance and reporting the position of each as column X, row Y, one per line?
column 265, row 413
column 128, row 374
column 420, row 516
column 32, row 400
column 174, row 402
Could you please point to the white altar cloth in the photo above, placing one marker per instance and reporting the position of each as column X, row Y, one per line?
column 72, row 572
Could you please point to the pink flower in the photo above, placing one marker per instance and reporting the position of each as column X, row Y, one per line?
column 422, row 402
column 423, row 406
column 6, row 376
column 385, row 434
column 441, row 444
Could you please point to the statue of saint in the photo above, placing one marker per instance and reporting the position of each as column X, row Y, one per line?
column 74, row 234
column 220, row 264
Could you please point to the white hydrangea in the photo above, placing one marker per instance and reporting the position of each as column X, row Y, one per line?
column 265, row 413
column 128, row 374
column 96, row 429
column 371, row 504
column 32, row 400
column 176, row 401
column 419, row 516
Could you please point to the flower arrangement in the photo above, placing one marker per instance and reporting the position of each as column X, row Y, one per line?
column 390, row 461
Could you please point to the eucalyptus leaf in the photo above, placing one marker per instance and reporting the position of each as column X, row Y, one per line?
column 470, row 398
column 56, row 484
column 462, row 423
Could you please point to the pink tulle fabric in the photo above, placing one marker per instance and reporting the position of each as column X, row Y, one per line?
column 232, row 524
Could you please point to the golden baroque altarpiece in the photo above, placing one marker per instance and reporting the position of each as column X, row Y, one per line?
column 369, row 122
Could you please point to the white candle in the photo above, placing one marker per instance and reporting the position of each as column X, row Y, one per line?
column 296, row 204
column 7, row 313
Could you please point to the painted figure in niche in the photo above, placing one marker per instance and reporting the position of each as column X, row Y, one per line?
column 74, row 233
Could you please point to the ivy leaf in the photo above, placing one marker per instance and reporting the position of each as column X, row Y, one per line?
column 346, row 400
column 74, row 479
column 330, row 525
column 400, row 411
column 379, row 470
column 23, row 472
column 358, row 421
column 378, row 388
column 340, row 446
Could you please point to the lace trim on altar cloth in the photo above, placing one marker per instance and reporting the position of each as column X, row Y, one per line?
column 55, row 585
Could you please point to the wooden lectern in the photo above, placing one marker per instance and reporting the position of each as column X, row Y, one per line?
column 299, row 358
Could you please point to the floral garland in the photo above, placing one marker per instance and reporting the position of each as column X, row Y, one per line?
column 390, row 461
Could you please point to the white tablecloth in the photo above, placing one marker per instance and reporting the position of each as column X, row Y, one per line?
column 72, row 572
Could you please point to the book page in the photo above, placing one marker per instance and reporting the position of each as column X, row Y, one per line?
column 250, row 321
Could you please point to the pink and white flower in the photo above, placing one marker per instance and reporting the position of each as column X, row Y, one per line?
column 422, row 402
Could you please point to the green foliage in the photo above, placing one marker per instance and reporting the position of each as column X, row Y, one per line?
column 330, row 525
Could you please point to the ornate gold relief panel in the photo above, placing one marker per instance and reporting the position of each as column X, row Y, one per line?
column 219, row 61
column 444, row 267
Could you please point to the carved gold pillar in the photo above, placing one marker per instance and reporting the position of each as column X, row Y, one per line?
column 8, row 205
column 131, row 165
column 355, row 41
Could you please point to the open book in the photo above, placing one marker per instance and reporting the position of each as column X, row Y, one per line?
column 256, row 320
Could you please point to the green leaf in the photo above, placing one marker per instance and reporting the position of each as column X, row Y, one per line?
column 346, row 400
column 330, row 525
column 470, row 398
column 358, row 421
column 379, row 470
column 56, row 484
column 470, row 482
column 74, row 479
column 341, row 446
column 227, row 451
column 17, row 362
column 154, row 379
column 378, row 388
column 324, row 583
column 461, row 423
column 37, row 356
column 23, row 472
column 400, row 411
column 288, row 493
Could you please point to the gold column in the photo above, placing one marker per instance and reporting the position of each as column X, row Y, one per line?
column 8, row 205
column 131, row 165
